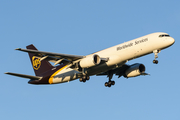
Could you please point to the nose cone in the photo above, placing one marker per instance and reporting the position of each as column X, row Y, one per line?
column 171, row 41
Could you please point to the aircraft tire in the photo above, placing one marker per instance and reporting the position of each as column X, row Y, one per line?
column 87, row 77
column 106, row 84
column 112, row 82
column 84, row 77
column 155, row 61
column 80, row 79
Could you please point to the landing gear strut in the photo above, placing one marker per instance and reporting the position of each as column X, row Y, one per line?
column 156, row 56
column 109, row 83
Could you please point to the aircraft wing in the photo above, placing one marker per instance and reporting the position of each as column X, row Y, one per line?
column 118, row 71
column 53, row 57
column 24, row 76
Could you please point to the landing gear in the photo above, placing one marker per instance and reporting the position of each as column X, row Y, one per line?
column 156, row 56
column 109, row 83
column 155, row 61
column 84, row 78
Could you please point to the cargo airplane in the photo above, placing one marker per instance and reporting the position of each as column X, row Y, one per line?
column 109, row 62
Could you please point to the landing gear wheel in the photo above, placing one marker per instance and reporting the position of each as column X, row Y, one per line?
column 84, row 78
column 106, row 84
column 80, row 79
column 155, row 61
column 87, row 77
column 112, row 82
column 109, row 83
column 156, row 56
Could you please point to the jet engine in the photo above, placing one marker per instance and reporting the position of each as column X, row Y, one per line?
column 90, row 61
column 135, row 70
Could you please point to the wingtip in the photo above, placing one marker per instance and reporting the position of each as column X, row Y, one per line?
column 8, row 73
column 18, row 49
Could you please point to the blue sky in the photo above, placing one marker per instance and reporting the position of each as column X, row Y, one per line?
column 82, row 27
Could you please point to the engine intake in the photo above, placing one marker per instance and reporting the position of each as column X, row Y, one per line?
column 90, row 61
column 135, row 70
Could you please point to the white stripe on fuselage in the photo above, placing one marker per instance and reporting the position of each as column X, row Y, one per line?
column 119, row 54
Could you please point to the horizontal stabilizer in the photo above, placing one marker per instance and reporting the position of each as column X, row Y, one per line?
column 24, row 76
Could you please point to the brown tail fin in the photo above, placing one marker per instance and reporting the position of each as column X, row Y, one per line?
column 39, row 67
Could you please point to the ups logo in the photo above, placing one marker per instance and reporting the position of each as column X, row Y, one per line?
column 36, row 63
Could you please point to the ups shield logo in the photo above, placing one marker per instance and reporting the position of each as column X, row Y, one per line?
column 36, row 63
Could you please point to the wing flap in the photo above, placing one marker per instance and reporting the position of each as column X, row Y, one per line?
column 24, row 76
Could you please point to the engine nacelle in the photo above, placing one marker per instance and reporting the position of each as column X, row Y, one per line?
column 135, row 70
column 90, row 61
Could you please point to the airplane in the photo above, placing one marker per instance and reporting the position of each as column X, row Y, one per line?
column 109, row 62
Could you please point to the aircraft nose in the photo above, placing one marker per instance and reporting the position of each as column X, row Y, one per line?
column 171, row 41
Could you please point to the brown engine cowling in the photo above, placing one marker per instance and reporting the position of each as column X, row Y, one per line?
column 134, row 70
column 90, row 61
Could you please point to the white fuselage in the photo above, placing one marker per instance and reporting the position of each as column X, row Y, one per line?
column 118, row 55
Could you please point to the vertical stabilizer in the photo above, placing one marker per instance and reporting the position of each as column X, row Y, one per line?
column 39, row 67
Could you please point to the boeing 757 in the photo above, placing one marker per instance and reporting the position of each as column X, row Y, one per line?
column 109, row 62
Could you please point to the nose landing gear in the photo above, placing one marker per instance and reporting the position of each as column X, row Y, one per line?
column 155, row 61
column 156, row 56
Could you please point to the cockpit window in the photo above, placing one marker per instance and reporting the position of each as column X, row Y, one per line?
column 164, row 35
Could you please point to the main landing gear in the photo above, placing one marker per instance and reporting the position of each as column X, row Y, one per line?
column 156, row 56
column 109, row 83
column 84, row 78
